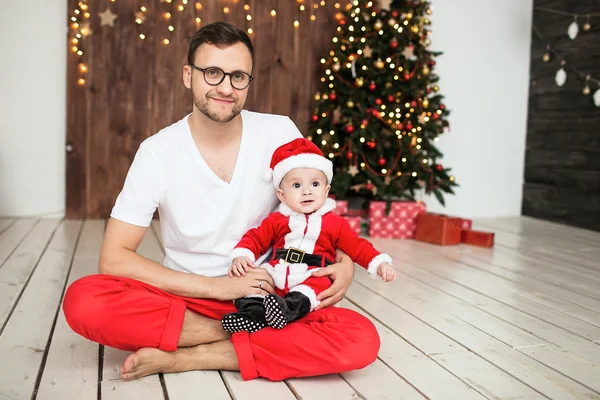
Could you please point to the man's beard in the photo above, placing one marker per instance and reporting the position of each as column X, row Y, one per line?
column 202, row 106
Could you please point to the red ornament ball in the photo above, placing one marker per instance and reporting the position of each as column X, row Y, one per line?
column 349, row 128
column 395, row 14
column 413, row 103
column 432, row 63
column 391, row 98
column 332, row 96
column 406, row 77
column 381, row 161
column 349, row 155
column 372, row 86
column 409, row 126
column 436, row 116
column 442, row 106
column 376, row 113
column 342, row 22
column 428, row 90
column 400, row 126
column 369, row 186
column 371, row 145
column 364, row 122
column 439, row 167
column 314, row 118
column 394, row 43
column 378, row 101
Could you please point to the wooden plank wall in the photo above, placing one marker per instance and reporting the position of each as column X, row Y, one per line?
column 562, row 164
column 134, row 87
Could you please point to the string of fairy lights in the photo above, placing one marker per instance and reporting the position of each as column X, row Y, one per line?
column 81, row 16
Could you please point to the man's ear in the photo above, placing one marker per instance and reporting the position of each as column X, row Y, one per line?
column 187, row 76
column 280, row 195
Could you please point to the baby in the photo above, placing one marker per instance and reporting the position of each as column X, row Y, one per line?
column 304, row 234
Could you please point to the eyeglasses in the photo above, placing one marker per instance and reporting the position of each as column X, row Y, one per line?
column 214, row 76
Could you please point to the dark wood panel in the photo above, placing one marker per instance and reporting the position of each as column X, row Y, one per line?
column 562, row 159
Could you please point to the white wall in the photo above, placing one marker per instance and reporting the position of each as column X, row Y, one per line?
column 484, row 76
column 32, row 107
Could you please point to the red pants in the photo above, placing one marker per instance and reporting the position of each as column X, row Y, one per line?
column 128, row 314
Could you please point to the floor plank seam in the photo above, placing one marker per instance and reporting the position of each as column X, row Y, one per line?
column 411, row 344
column 532, row 345
column 493, row 299
column 359, row 394
column 37, row 262
column 8, row 227
column 38, row 379
column 227, row 386
column 100, row 370
column 412, row 385
column 20, row 242
column 161, row 378
column 561, row 373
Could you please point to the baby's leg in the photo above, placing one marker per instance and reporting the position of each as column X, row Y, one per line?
column 250, row 316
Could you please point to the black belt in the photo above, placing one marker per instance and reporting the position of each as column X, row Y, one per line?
column 297, row 256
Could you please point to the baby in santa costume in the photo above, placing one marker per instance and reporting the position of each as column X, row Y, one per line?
column 304, row 234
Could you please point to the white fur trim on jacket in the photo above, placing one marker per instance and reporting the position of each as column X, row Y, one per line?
column 242, row 252
column 307, row 160
column 308, row 292
column 374, row 264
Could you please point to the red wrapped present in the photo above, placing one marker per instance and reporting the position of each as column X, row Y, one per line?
column 465, row 224
column 341, row 207
column 438, row 229
column 478, row 238
column 355, row 223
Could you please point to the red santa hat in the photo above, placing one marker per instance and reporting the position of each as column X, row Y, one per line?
column 299, row 153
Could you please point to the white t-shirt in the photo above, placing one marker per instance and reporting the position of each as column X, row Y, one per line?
column 202, row 217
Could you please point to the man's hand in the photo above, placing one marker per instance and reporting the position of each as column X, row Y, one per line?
column 341, row 274
column 256, row 281
column 239, row 266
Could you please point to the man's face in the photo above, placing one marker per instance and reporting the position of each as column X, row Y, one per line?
column 223, row 102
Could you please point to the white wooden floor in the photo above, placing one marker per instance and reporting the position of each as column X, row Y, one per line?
column 521, row 321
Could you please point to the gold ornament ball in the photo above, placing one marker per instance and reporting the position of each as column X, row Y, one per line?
column 318, row 96
column 388, row 85
column 409, row 15
column 325, row 96
column 379, row 63
column 586, row 90
column 587, row 26
column 425, row 103
column 436, row 88
column 392, row 22
column 359, row 82
column 546, row 57
column 336, row 67
column 350, row 104
column 414, row 29
column 425, row 70
column 378, row 25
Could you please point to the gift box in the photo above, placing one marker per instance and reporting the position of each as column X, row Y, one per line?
column 477, row 238
column 438, row 229
column 354, row 212
column 355, row 223
column 399, row 224
column 341, row 207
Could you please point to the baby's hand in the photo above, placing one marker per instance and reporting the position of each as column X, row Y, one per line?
column 386, row 272
column 239, row 266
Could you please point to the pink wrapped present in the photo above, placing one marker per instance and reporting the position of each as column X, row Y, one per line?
column 341, row 207
column 399, row 224
column 354, row 223
column 466, row 224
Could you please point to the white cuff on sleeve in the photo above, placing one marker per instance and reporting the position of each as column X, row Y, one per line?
column 374, row 264
column 242, row 252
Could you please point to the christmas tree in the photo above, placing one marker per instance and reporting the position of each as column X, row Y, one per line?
column 378, row 112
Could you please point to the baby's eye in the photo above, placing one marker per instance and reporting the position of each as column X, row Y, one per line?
column 296, row 185
column 316, row 184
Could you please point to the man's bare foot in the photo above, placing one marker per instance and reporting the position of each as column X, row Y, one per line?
column 148, row 361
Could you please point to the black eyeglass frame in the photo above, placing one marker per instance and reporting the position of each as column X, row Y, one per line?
column 203, row 70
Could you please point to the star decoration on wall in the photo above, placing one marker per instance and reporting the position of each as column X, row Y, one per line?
column 421, row 118
column 85, row 29
column 368, row 52
column 353, row 170
column 385, row 4
column 141, row 16
column 107, row 18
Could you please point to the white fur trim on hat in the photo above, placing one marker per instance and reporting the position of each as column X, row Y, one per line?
column 307, row 160
column 375, row 262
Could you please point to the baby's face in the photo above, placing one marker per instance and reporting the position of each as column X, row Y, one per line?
column 304, row 190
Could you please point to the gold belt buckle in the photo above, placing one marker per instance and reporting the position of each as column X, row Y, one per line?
column 294, row 255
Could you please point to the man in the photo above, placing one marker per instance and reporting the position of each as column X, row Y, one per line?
column 203, row 174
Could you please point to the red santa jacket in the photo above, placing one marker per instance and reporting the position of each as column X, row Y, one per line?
column 321, row 232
